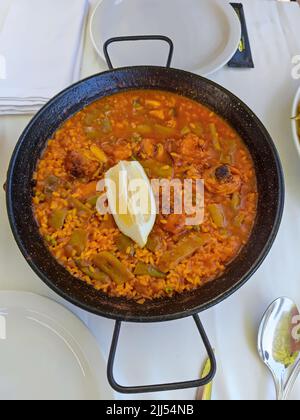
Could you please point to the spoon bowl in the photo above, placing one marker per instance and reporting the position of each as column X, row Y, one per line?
column 275, row 343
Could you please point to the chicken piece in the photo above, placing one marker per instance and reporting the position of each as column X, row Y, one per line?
column 79, row 166
column 223, row 179
column 119, row 150
column 175, row 224
column 192, row 146
column 157, row 151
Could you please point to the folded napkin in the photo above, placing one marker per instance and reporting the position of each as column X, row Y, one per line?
column 41, row 48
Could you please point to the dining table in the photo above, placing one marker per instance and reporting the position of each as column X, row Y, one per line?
column 172, row 351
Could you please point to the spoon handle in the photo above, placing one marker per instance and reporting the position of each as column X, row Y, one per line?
column 279, row 385
column 291, row 381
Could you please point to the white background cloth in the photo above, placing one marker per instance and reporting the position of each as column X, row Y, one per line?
column 173, row 351
column 41, row 42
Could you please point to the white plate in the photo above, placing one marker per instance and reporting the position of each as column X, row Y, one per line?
column 206, row 33
column 294, row 123
column 46, row 353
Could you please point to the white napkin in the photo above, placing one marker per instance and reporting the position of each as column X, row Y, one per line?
column 41, row 47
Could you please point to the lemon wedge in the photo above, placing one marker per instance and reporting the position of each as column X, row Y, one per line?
column 131, row 200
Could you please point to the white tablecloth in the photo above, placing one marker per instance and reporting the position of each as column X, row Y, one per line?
column 173, row 351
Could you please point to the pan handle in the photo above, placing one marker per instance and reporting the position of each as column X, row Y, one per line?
column 162, row 387
column 138, row 38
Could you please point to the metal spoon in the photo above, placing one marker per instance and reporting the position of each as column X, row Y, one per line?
column 275, row 344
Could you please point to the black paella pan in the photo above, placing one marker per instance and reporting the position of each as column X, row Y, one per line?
column 270, row 202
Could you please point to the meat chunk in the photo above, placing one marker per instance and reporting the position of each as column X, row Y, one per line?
column 192, row 146
column 175, row 224
column 223, row 179
column 78, row 166
column 119, row 150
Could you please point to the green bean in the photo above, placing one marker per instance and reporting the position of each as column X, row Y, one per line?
column 92, row 273
column 185, row 248
column 111, row 266
column 156, row 169
column 197, row 128
column 143, row 269
column 144, row 129
column 80, row 207
column 235, row 200
column 217, row 215
column 125, row 245
column 163, row 130
column 215, row 137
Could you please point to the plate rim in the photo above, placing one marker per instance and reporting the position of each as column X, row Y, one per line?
column 64, row 318
column 231, row 46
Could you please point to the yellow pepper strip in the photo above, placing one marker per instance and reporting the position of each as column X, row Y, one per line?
column 98, row 153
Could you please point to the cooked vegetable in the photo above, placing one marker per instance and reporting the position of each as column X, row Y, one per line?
column 106, row 125
column 92, row 133
column 226, row 159
column 93, row 273
column 78, row 241
column 91, row 117
column 162, row 130
column 80, row 207
column 143, row 269
column 58, row 218
column 125, row 245
column 156, row 169
column 239, row 219
column 235, row 200
column 215, row 137
column 136, row 138
column 51, row 241
column 197, row 129
column 99, row 154
column 51, row 184
column 136, row 103
column 92, row 201
column 144, row 129
column 217, row 215
column 183, row 249
column 185, row 130
column 111, row 266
